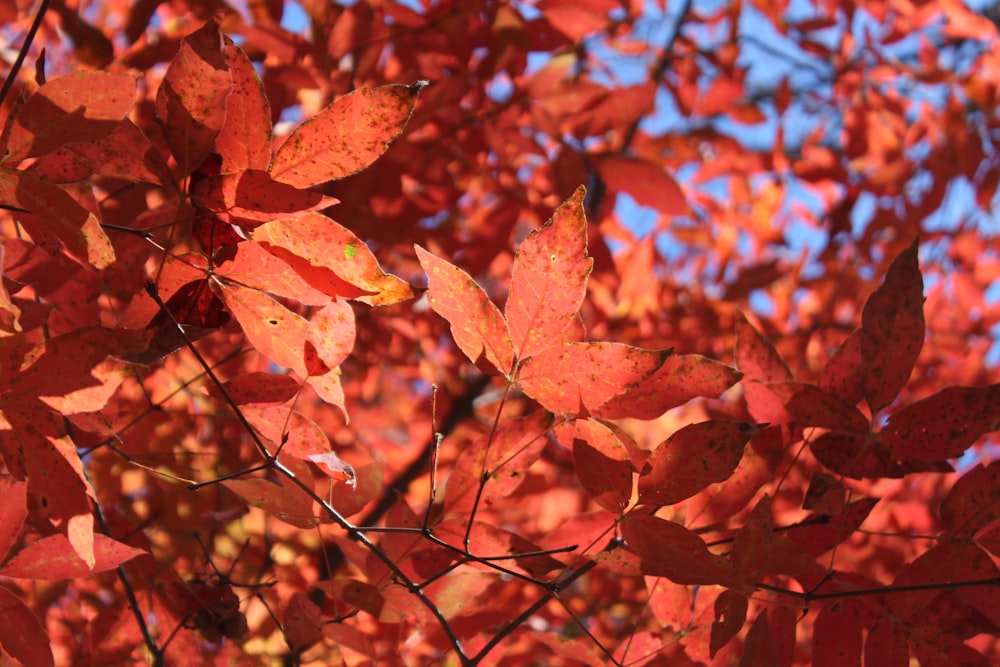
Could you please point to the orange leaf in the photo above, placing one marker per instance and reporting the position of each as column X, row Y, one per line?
column 251, row 197
column 301, row 437
column 84, row 106
column 331, row 259
column 53, row 558
column 191, row 100
column 476, row 323
column 331, row 333
column 572, row 377
column 276, row 332
column 303, row 621
column 345, row 137
column 549, row 280
column 56, row 220
column 290, row 504
column 258, row 388
column 21, row 635
column 255, row 267
column 892, row 330
column 244, row 140
column 680, row 378
column 693, row 458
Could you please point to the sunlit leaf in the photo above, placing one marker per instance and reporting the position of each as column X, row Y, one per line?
column 346, row 137
column 549, row 280
column 572, row 377
column 476, row 322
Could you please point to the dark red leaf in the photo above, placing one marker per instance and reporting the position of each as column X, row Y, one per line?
column 892, row 330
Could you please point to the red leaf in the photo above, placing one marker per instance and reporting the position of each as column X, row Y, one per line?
column 345, row 137
column 892, row 330
column 944, row 425
column 56, row 220
column 296, row 435
column 13, row 512
column 83, row 106
column 258, row 388
column 837, row 635
column 887, row 644
column 126, row 153
column 549, row 280
column 811, row 406
column 816, row 538
column 244, row 140
column 515, row 447
column 842, row 373
column 276, row 332
column 335, row 467
column 53, row 558
column 680, row 378
column 693, row 458
column 648, row 183
column 476, row 323
column 303, row 621
column 252, row 197
column 759, row 648
column 331, row 333
column 759, row 362
column 572, row 377
column 974, row 501
column 759, row 551
column 331, row 259
column 22, row 637
column 602, row 464
column 937, row 647
column 255, row 267
column 670, row 550
column 191, row 100
column 730, row 614
column 290, row 504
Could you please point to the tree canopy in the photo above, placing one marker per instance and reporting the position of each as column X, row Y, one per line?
column 445, row 332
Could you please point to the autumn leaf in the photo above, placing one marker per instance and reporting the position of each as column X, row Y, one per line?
column 331, row 333
column 21, row 635
column 331, row 259
column 549, row 280
column 56, row 220
column 283, row 502
column 680, row 378
column 275, row 331
column 244, row 140
column 810, row 405
column 257, row 388
column 476, row 323
column 13, row 512
column 83, row 106
column 191, row 100
column 254, row 267
column 53, row 558
column 602, row 463
column 346, row 137
column 693, row 458
column 760, row 364
column 944, row 425
column 670, row 550
column 730, row 614
column 892, row 330
column 974, row 501
column 574, row 377
column 251, row 197
column 647, row 182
